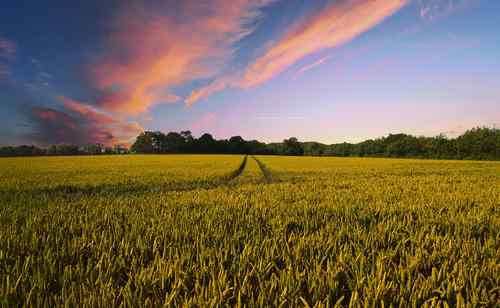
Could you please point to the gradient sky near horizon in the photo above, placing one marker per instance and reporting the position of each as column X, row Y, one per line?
column 324, row 70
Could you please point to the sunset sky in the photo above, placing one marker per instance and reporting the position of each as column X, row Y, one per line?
column 331, row 71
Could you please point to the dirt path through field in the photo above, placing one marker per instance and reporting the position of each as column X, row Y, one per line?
column 268, row 176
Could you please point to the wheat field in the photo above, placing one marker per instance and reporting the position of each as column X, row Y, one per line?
column 229, row 230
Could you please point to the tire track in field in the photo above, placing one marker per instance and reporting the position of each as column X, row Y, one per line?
column 268, row 176
column 236, row 173
column 69, row 191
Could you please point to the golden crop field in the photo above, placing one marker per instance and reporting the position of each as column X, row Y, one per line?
column 213, row 230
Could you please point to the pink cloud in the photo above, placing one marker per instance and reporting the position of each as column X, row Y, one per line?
column 46, row 114
column 334, row 26
column 52, row 126
column 93, row 125
column 87, row 111
column 337, row 24
column 152, row 52
column 216, row 86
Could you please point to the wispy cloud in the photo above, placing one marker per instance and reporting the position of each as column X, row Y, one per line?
column 154, row 50
column 79, row 123
column 432, row 10
column 102, row 123
column 310, row 66
column 53, row 126
column 337, row 24
column 203, row 92
column 40, row 82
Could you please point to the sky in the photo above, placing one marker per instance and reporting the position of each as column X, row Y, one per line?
column 324, row 70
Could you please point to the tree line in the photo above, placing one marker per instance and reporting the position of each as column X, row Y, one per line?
column 480, row 143
column 62, row 149
column 184, row 142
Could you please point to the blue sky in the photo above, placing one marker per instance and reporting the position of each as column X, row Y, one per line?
column 330, row 71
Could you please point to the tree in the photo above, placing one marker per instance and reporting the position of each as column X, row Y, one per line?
column 63, row 149
column 143, row 143
column 174, row 143
column 159, row 142
column 342, row 149
column 23, row 150
column 189, row 144
column 94, row 149
column 206, row 144
column 292, row 147
column 313, row 148
column 237, row 145
column 478, row 143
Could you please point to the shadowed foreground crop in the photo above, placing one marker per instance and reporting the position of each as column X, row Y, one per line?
column 201, row 230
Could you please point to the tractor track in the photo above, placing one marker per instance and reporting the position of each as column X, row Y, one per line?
column 268, row 176
column 69, row 191
column 236, row 173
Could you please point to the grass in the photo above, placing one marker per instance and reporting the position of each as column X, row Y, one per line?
column 190, row 231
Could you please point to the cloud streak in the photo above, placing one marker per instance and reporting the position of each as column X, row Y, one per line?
column 312, row 65
column 432, row 10
column 215, row 86
column 333, row 26
column 157, row 49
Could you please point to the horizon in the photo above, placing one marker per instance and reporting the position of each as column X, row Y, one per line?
column 129, row 145
column 322, row 71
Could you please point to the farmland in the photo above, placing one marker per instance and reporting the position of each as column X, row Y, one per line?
column 153, row 230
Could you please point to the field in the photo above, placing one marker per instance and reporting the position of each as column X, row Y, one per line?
column 198, row 230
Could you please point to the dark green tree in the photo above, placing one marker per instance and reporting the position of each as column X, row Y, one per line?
column 143, row 144
column 292, row 146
